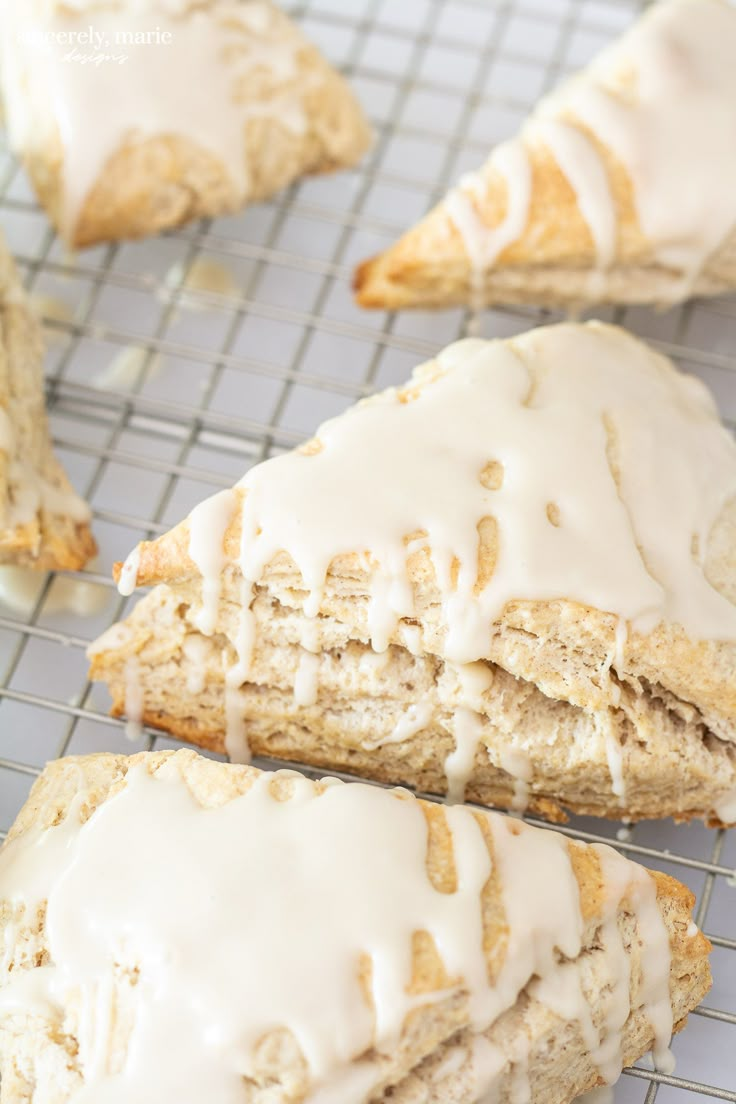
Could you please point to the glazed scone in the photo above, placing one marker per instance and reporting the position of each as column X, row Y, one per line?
column 512, row 579
column 196, row 108
column 43, row 523
column 178, row 929
column 620, row 187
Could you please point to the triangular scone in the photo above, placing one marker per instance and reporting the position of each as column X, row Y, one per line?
column 514, row 577
column 43, row 522
column 179, row 929
column 174, row 111
column 620, row 188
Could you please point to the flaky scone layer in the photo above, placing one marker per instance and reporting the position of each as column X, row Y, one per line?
column 395, row 717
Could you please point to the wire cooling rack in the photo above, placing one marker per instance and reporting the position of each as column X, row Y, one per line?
column 161, row 389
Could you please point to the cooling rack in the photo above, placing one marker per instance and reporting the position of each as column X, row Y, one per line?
column 176, row 363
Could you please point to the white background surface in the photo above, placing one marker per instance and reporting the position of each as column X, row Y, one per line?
column 227, row 380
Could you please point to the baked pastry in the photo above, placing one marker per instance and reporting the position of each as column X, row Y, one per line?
column 133, row 118
column 513, row 578
column 172, row 931
column 43, row 522
column 620, row 188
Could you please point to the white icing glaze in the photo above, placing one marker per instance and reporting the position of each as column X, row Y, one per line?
column 663, row 100
column 245, row 637
column 306, row 684
column 488, row 1063
column 562, row 992
column 520, row 1089
column 517, row 764
column 155, row 90
column 411, row 638
column 129, row 573
column 374, row 662
column 624, row 878
column 484, row 244
column 115, row 903
column 540, row 407
column 475, row 680
column 614, row 753
column 237, row 744
column 416, row 717
column 616, row 658
column 453, row 1061
column 468, row 733
column 195, row 649
column 208, row 523
column 310, row 635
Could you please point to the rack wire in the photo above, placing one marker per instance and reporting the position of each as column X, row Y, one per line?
column 219, row 380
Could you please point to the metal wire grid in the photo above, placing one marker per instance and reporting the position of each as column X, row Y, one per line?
column 226, row 379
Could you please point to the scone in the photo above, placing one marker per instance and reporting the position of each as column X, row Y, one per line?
column 175, row 929
column 132, row 118
column 512, row 579
column 43, row 522
column 620, row 188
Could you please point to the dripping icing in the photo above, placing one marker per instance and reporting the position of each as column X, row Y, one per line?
column 306, row 680
column 467, row 732
column 208, row 524
column 128, row 579
column 196, row 650
column 543, row 404
column 484, row 244
column 518, row 765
